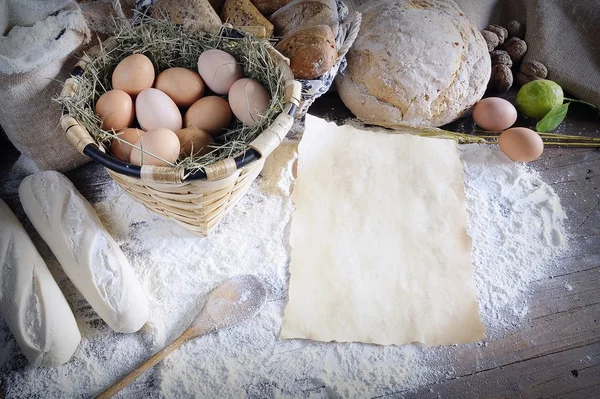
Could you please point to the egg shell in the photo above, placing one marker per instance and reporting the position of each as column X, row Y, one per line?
column 115, row 108
column 156, row 143
column 219, row 70
column 182, row 85
column 155, row 109
column 121, row 149
column 521, row 144
column 133, row 74
column 196, row 140
column 248, row 100
column 494, row 113
column 210, row 113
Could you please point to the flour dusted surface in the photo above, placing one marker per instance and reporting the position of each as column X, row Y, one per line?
column 178, row 270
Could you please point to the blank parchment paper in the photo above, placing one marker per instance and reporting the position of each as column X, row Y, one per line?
column 380, row 250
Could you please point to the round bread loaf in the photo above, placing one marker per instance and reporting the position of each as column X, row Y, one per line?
column 414, row 63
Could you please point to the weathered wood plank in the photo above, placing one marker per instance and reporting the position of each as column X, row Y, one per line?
column 564, row 293
column 569, row 373
column 541, row 336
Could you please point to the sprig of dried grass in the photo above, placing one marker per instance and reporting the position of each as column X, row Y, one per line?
column 489, row 137
column 170, row 45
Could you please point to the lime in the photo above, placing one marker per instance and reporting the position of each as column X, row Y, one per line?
column 536, row 98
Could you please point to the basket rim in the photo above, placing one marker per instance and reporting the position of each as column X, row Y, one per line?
column 263, row 144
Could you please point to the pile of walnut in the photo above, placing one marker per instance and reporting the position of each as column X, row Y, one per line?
column 306, row 28
column 507, row 49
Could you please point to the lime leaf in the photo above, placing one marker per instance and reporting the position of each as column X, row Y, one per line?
column 553, row 118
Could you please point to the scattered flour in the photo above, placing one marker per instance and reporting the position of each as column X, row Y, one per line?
column 515, row 222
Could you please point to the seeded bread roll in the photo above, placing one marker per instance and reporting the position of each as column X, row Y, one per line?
column 240, row 13
column 268, row 7
column 311, row 51
column 300, row 14
column 189, row 13
column 414, row 63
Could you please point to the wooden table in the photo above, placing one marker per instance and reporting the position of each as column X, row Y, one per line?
column 557, row 351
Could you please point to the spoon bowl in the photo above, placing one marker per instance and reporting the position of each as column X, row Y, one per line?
column 236, row 300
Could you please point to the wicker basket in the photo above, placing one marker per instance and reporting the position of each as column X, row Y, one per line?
column 197, row 200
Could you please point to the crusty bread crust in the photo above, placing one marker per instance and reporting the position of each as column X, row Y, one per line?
column 414, row 63
column 303, row 14
column 311, row 51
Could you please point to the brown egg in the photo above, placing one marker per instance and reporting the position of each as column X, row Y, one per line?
column 219, row 70
column 248, row 100
column 210, row 113
column 194, row 141
column 115, row 108
column 521, row 144
column 184, row 86
column 158, row 145
column 494, row 113
column 133, row 74
column 121, row 149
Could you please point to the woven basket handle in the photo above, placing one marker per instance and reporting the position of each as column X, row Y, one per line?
column 351, row 27
column 270, row 139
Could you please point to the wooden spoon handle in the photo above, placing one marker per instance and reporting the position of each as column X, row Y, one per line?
column 154, row 360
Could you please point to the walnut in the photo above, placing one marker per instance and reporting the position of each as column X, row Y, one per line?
column 500, row 31
column 491, row 39
column 502, row 77
column 516, row 48
column 516, row 29
column 501, row 57
column 531, row 70
column 534, row 68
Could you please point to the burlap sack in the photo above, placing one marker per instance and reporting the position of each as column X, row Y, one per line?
column 35, row 59
column 564, row 35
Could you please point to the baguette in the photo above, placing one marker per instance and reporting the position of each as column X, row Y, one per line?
column 87, row 253
column 30, row 301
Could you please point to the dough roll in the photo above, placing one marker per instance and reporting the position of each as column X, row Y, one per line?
column 33, row 306
column 87, row 253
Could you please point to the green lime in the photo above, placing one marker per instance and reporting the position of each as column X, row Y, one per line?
column 536, row 98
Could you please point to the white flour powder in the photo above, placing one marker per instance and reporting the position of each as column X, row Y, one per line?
column 515, row 222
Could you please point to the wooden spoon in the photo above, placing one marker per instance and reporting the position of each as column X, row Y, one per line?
column 236, row 300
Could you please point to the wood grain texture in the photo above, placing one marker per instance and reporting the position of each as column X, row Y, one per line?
column 556, row 353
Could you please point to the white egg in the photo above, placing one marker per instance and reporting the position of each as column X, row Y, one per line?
column 155, row 109
column 248, row 100
column 219, row 70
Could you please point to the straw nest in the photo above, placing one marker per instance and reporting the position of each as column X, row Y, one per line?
column 170, row 45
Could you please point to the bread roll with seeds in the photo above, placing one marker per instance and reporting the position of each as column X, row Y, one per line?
column 240, row 13
column 311, row 51
column 301, row 14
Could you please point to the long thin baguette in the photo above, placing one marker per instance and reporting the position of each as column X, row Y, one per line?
column 87, row 253
column 33, row 306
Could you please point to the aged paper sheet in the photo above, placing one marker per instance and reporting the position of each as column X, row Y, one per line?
column 380, row 250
